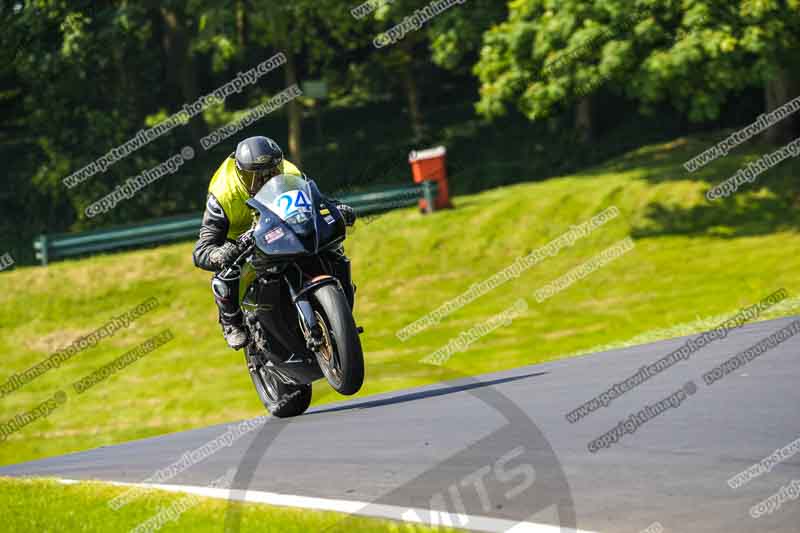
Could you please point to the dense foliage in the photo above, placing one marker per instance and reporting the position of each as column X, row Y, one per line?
column 508, row 87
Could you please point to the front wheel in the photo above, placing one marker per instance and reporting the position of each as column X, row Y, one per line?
column 340, row 357
column 280, row 399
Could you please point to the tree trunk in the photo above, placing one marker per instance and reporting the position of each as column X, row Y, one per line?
column 584, row 123
column 295, row 114
column 241, row 24
column 777, row 92
column 412, row 96
column 279, row 22
column 181, row 73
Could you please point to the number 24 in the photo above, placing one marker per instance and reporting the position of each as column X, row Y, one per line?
column 293, row 205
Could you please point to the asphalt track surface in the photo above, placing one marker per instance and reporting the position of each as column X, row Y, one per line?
column 408, row 448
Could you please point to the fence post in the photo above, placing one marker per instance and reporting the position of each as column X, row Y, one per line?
column 427, row 192
column 40, row 245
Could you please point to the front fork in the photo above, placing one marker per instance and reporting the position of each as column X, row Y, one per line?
column 309, row 324
column 308, row 318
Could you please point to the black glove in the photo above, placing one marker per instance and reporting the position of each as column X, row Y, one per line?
column 245, row 240
column 222, row 256
column 348, row 213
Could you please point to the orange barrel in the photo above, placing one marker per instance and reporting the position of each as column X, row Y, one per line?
column 431, row 165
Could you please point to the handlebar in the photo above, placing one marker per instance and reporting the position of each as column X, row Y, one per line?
column 234, row 266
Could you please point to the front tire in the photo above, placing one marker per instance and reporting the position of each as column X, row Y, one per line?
column 341, row 357
column 280, row 399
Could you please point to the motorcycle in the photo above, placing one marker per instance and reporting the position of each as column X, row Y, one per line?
column 297, row 297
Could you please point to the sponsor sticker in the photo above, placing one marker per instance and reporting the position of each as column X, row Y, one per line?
column 329, row 219
column 273, row 235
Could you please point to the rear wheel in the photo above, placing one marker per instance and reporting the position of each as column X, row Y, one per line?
column 280, row 399
column 340, row 357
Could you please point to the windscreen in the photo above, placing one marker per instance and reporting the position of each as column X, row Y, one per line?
column 289, row 197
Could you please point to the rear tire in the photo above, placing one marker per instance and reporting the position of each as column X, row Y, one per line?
column 344, row 366
column 280, row 399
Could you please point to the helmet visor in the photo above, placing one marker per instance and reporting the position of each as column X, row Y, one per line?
column 255, row 179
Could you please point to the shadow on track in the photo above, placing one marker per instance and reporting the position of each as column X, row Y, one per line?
column 412, row 396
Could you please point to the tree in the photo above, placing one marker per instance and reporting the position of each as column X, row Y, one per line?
column 177, row 30
column 450, row 40
column 694, row 54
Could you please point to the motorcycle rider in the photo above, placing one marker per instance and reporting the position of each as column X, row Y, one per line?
column 227, row 218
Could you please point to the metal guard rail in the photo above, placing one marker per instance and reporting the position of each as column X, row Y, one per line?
column 59, row 246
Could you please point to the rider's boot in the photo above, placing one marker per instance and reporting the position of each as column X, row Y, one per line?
column 233, row 330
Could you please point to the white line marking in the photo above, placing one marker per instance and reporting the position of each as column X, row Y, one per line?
column 391, row 512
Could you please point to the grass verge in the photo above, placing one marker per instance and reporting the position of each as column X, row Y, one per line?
column 692, row 260
column 49, row 506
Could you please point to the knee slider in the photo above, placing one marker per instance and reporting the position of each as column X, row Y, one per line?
column 220, row 289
